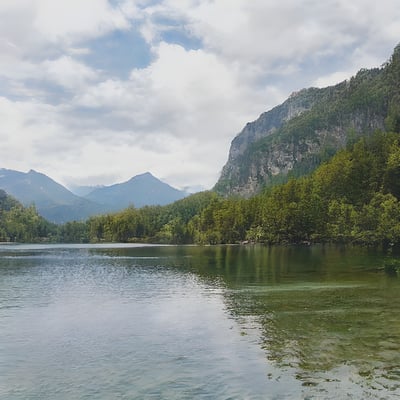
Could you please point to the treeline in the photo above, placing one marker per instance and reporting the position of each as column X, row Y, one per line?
column 23, row 224
column 352, row 198
column 334, row 115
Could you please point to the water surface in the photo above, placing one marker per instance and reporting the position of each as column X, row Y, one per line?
column 225, row 322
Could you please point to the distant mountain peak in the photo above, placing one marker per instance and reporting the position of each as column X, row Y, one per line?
column 56, row 203
column 145, row 175
column 140, row 190
column 52, row 200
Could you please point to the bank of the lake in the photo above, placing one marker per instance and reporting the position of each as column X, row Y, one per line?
column 131, row 321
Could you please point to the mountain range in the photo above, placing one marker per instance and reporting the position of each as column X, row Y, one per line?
column 139, row 191
column 290, row 140
column 295, row 137
column 58, row 204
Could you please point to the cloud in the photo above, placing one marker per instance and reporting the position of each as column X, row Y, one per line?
column 73, row 20
column 180, row 111
column 182, row 92
column 25, row 125
column 206, row 68
column 33, row 31
column 264, row 37
column 67, row 72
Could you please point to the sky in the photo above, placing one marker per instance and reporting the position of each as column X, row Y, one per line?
column 94, row 92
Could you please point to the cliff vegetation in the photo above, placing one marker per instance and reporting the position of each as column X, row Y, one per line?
column 295, row 137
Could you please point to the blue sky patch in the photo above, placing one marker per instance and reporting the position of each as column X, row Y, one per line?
column 118, row 53
column 177, row 36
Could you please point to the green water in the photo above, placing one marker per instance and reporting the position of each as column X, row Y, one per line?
column 224, row 322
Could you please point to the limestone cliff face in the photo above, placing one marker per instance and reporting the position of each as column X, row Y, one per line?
column 309, row 127
column 269, row 122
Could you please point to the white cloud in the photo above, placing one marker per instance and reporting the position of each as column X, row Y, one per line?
column 25, row 126
column 183, row 109
column 67, row 72
column 264, row 37
column 181, row 91
column 176, row 116
column 73, row 51
column 36, row 32
column 68, row 20
column 36, row 27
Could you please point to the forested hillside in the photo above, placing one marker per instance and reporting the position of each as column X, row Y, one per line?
column 20, row 224
column 59, row 205
column 295, row 137
column 342, row 179
column 353, row 198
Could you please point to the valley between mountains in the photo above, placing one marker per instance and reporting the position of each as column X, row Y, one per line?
column 323, row 166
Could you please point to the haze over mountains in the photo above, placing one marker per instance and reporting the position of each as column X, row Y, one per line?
column 141, row 190
column 292, row 139
column 58, row 204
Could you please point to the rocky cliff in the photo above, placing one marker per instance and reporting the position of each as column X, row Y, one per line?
column 309, row 127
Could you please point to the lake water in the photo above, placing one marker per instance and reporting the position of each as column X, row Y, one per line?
column 225, row 322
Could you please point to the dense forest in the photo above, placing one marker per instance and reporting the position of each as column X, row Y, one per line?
column 294, row 138
column 23, row 224
column 353, row 198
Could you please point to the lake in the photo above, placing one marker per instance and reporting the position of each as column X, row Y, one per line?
column 188, row 322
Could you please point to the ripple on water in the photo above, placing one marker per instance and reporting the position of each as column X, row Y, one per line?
column 136, row 323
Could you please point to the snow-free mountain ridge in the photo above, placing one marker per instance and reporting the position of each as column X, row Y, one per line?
column 139, row 191
column 58, row 204
column 295, row 137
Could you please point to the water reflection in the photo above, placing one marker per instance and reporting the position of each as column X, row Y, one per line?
column 326, row 318
column 330, row 315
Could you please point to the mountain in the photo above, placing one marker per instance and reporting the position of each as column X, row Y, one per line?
column 307, row 129
column 83, row 191
column 57, row 204
column 52, row 200
column 141, row 190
